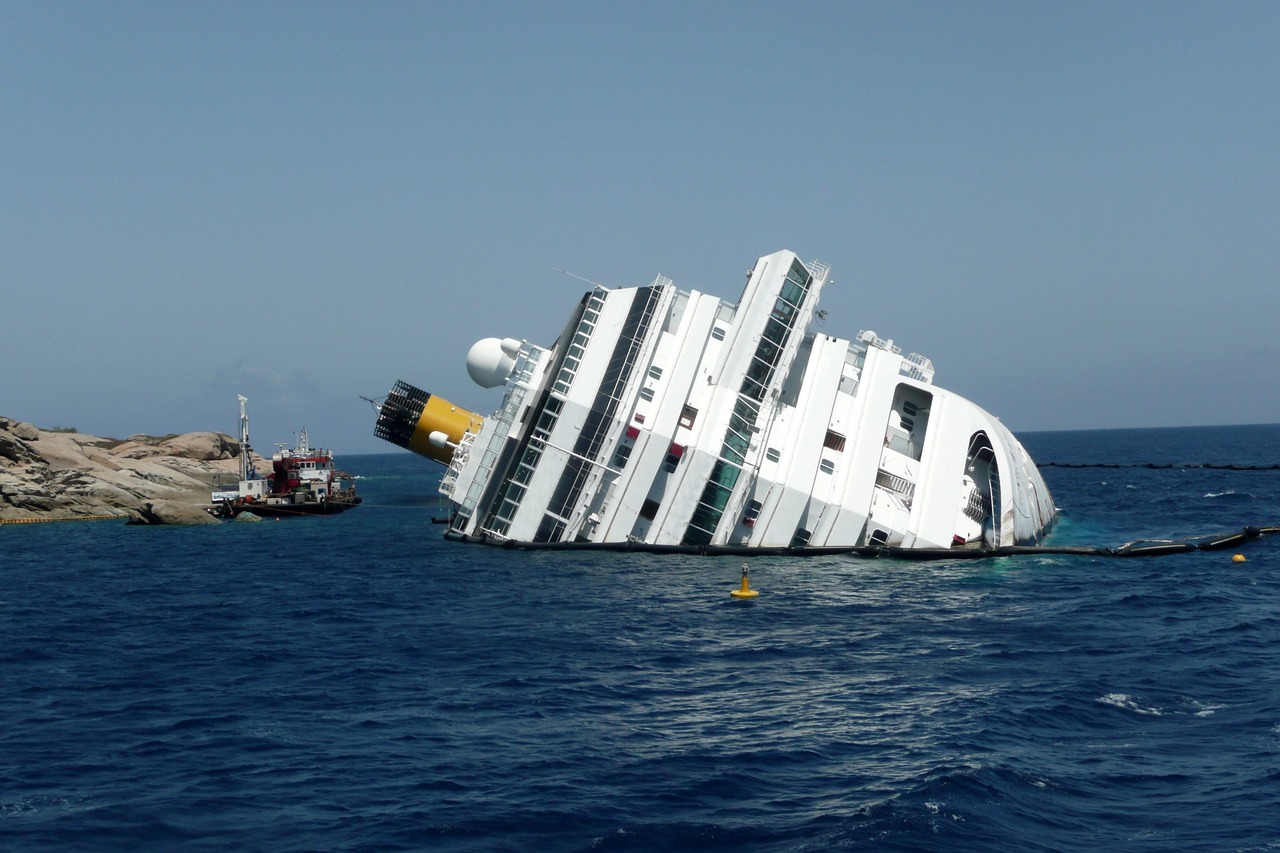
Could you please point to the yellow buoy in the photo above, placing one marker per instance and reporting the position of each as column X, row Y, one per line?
column 744, row 591
column 1237, row 558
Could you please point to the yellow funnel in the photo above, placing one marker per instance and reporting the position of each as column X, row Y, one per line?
column 410, row 416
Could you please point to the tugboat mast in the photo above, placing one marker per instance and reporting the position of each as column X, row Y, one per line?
column 245, row 468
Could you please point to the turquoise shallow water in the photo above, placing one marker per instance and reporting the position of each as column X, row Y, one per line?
column 357, row 683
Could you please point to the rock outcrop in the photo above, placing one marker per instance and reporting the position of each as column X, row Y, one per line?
column 47, row 474
column 170, row 512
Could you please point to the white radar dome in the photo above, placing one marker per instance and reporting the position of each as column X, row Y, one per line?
column 490, row 360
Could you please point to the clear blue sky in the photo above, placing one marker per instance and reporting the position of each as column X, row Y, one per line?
column 1072, row 208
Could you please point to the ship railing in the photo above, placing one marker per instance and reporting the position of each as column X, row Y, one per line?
column 900, row 486
column 638, row 353
column 501, row 426
column 639, row 350
column 751, row 464
column 460, row 456
column 487, row 460
column 511, row 406
column 997, row 504
column 818, row 269
column 977, row 507
column 870, row 338
column 915, row 366
column 526, row 361
column 610, row 488
column 895, row 499
column 585, row 328
column 757, row 441
column 733, row 512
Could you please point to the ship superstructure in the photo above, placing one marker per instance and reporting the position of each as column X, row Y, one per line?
column 666, row 417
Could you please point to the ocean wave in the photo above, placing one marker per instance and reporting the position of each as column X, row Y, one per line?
column 1181, row 705
column 1128, row 703
column 1229, row 493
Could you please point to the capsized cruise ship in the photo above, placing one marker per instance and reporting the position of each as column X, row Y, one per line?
column 670, row 419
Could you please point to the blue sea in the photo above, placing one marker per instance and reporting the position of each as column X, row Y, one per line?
column 357, row 683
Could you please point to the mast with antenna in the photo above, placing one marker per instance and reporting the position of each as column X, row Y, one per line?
column 246, row 469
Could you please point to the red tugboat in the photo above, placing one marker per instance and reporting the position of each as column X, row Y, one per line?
column 303, row 481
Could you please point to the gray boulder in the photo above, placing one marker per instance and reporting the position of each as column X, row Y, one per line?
column 170, row 512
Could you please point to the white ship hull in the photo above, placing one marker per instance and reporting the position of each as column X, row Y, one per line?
column 669, row 418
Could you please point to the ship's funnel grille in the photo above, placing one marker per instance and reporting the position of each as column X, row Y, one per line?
column 400, row 413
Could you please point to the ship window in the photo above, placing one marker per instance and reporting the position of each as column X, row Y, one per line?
column 687, row 416
column 735, row 447
column 826, row 466
column 792, row 292
column 768, row 352
column 801, row 538
column 723, row 478
column 646, row 393
column 879, row 537
column 760, row 371
column 508, row 510
column 649, row 510
column 696, row 535
column 834, row 441
column 909, row 408
column 753, row 389
column 621, row 455
column 745, row 412
column 550, row 530
column 772, row 454
column 717, row 333
column 705, row 516
column 775, row 331
column 783, row 311
column 799, row 274
column 655, row 372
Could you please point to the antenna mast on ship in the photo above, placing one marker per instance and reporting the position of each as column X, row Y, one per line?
column 244, row 439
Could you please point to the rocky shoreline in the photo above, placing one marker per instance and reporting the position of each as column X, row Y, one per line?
column 51, row 475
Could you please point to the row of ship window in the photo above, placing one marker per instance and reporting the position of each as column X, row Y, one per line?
column 725, row 473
